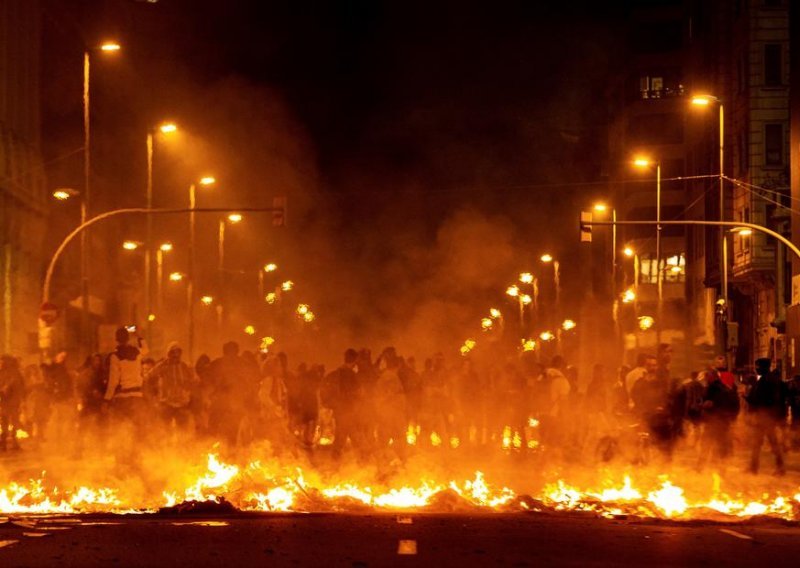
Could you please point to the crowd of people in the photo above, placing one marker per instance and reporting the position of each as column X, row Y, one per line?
column 373, row 403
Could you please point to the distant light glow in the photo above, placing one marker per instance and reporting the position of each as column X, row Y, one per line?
column 743, row 231
column 176, row 276
column 487, row 323
column 676, row 269
column 250, row 330
column 528, row 345
column 547, row 336
column 628, row 251
column 600, row 207
column 207, row 300
column 151, row 317
column 646, row 322
column 130, row 245
column 526, row 278
column 308, row 317
column 165, row 247
column 302, row 309
column 513, row 291
column 642, row 162
column 235, row 218
column 568, row 325
column 62, row 194
column 546, row 257
column 270, row 267
column 208, row 180
column 168, row 128
column 628, row 296
column 286, row 286
column 271, row 298
column 110, row 46
column 525, row 299
column 495, row 313
column 703, row 100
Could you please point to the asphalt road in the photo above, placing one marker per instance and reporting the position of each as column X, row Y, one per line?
column 391, row 540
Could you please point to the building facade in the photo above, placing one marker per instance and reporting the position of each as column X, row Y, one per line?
column 22, row 180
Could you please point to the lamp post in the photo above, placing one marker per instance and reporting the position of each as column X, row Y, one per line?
column 163, row 248
column 647, row 163
column 164, row 128
column 233, row 219
column 107, row 47
column 205, row 181
column 703, row 101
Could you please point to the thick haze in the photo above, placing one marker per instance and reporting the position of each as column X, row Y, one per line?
column 423, row 149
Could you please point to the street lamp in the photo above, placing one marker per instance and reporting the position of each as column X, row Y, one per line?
column 164, row 128
column 175, row 276
column 233, row 219
column 163, row 249
column 106, row 47
column 703, row 101
column 131, row 245
column 644, row 162
column 205, row 181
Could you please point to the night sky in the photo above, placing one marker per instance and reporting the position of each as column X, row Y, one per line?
column 391, row 126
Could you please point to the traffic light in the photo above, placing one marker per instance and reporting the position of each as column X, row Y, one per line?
column 586, row 226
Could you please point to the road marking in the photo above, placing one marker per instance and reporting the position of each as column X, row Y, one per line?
column 32, row 534
column 202, row 523
column 407, row 547
column 8, row 543
column 405, row 520
column 736, row 534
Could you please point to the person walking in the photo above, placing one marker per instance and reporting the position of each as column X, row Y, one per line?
column 124, row 395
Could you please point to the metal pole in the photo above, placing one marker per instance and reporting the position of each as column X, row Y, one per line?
column 614, row 253
column 723, row 260
column 149, row 243
column 221, row 272
column 191, row 288
column 159, row 279
column 85, row 334
column 659, row 279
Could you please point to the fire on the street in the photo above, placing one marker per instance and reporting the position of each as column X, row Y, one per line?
column 256, row 486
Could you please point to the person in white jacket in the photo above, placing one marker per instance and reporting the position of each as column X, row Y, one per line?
column 125, row 381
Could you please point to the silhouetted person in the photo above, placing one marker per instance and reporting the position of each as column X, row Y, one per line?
column 124, row 393
column 174, row 382
column 61, row 390
column 227, row 405
column 12, row 393
column 341, row 393
column 720, row 409
column 767, row 403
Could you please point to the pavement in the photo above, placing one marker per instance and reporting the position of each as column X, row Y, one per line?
column 358, row 541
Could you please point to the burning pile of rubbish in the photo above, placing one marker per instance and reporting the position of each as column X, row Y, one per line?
column 266, row 487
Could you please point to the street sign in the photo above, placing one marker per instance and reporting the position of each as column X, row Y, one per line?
column 48, row 313
column 586, row 226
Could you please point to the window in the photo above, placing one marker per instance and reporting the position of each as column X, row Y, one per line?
column 773, row 144
column 673, row 268
column 773, row 62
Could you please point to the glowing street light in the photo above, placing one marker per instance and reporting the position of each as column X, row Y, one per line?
column 165, row 247
column 547, row 336
column 646, row 322
column 600, row 207
column 704, row 100
column 546, row 258
column 526, row 278
column 271, row 298
column 207, row 300
column 303, row 309
column 568, row 325
column 131, row 245
column 64, row 193
column 742, row 231
column 628, row 251
column 168, row 128
column 250, row 330
column 151, row 317
column 525, row 299
column 110, row 46
column 495, row 313
column 308, row 317
column 235, row 218
column 286, row 286
column 513, row 291
column 208, row 180
column 528, row 345
column 175, row 276
column 271, row 267
column 628, row 296
column 487, row 323
column 676, row 269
